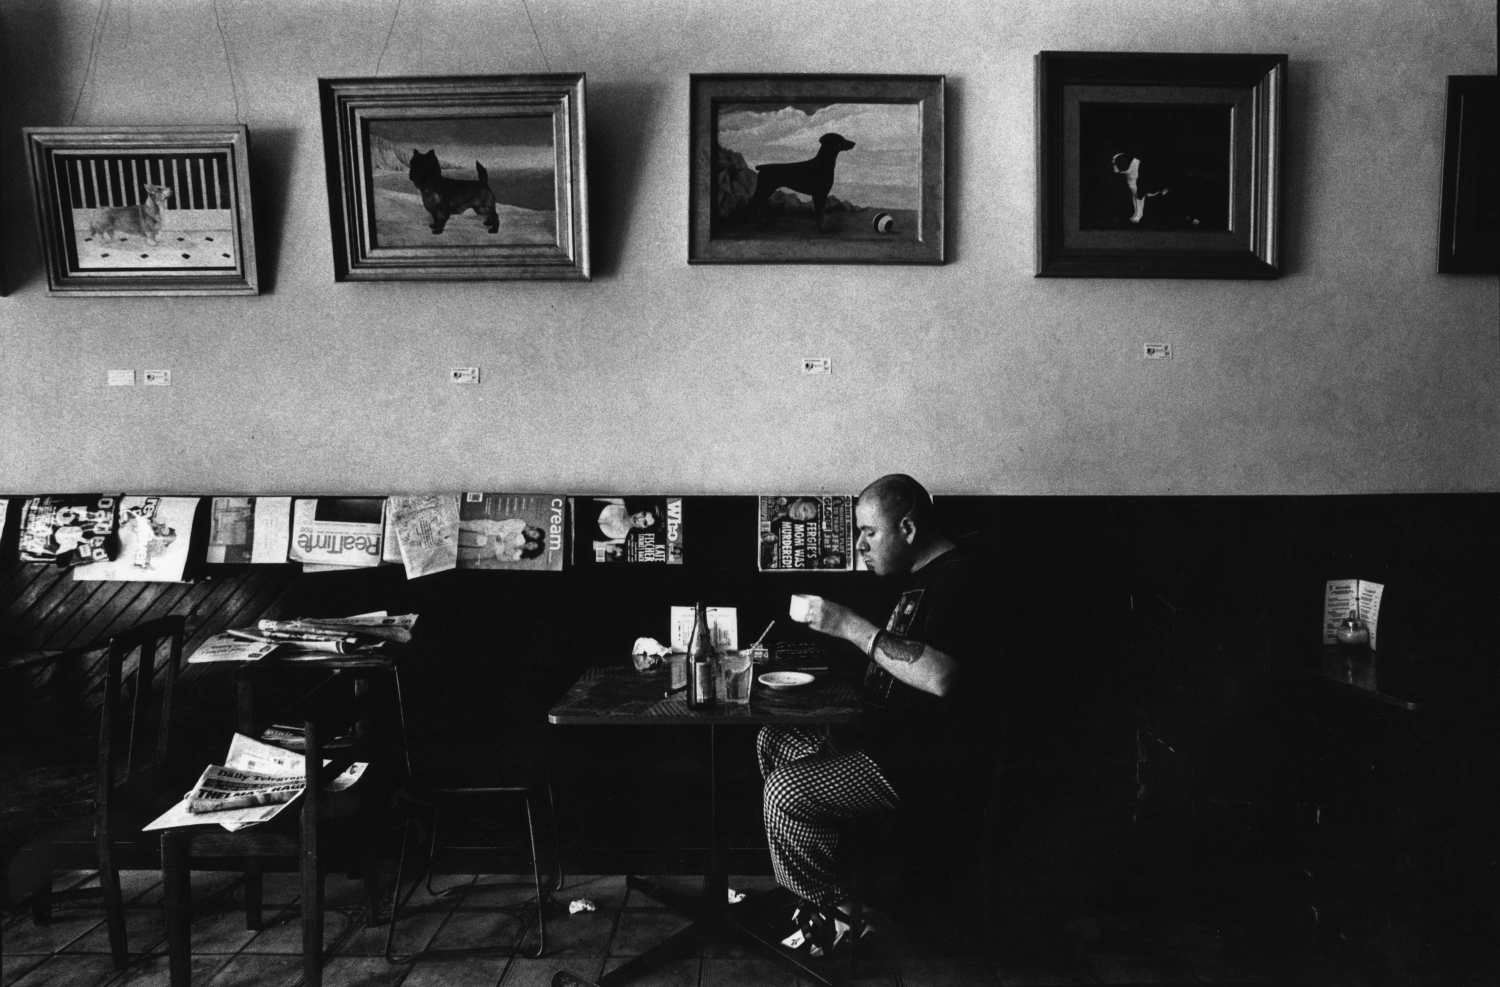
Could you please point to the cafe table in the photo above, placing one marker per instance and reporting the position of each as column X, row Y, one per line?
column 620, row 696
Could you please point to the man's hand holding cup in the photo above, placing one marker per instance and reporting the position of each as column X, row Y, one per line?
column 833, row 619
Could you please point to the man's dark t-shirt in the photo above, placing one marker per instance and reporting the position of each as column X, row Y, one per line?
column 920, row 741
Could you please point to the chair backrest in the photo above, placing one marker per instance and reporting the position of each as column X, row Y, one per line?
column 135, row 724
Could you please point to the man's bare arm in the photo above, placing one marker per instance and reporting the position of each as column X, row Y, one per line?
column 919, row 665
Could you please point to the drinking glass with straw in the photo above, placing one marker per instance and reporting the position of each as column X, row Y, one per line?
column 758, row 652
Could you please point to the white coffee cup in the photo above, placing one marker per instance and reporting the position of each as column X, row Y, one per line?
column 801, row 607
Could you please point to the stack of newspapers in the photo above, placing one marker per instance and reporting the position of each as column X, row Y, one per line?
column 254, row 784
column 357, row 634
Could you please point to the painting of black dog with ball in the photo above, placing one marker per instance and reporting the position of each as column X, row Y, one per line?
column 834, row 170
column 486, row 181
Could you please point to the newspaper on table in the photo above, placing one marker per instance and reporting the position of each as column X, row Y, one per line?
column 256, row 782
column 308, row 637
column 358, row 632
column 229, row 647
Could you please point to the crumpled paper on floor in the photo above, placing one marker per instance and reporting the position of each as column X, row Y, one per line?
column 735, row 897
column 581, row 905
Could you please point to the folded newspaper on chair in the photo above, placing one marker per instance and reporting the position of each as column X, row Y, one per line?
column 254, row 784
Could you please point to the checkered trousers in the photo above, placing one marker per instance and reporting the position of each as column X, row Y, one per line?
column 810, row 790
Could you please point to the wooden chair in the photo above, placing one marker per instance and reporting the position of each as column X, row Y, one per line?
column 329, row 831
column 135, row 734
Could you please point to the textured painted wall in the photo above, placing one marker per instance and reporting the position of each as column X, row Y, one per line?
column 1359, row 370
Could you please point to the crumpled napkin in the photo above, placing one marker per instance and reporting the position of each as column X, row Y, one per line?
column 581, row 905
column 649, row 646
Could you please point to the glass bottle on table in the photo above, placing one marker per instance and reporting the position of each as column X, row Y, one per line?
column 701, row 671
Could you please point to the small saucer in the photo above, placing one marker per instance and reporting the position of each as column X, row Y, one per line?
column 784, row 680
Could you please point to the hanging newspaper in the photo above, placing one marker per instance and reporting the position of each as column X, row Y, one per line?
column 337, row 531
column 154, row 533
column 67, row 530
column 248, row 530
column 627, row 530
column 511, row 531
column 423, row 530
column 798, row 533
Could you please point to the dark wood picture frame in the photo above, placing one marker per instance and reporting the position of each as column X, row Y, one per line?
column 1469, row 233
column 144, row 210
column 860, row 158
column 1159, row 165
column 410, row 195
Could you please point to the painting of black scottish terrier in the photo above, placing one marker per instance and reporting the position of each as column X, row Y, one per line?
column 463, row 182
column 443, row 197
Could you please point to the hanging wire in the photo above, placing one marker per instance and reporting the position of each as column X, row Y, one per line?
column 388, row 32
column 100, row 17
column 536, row 37
column 228, row 61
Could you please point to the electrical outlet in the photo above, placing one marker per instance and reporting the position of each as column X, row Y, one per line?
column 463, row 375
column 156, row 378
column 1157, row 351
column 817, row 365
column 119, row 378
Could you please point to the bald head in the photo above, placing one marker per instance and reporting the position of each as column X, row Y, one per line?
column 898, row 496
column 896, row 526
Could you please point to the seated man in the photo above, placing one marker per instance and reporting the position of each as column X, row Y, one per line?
column 915, row 740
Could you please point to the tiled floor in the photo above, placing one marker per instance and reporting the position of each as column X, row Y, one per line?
column 74, row 950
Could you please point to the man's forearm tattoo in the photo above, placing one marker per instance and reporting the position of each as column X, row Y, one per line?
column 896, row 648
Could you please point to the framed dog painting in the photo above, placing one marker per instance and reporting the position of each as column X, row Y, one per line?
column 1469, row 232
column 816, row 169
column 144, row 210
column 457, row 178
column 1159, row 165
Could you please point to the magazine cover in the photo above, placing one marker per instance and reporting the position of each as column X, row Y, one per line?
column 231, row 527
column 67, row 530
column 270, row 539
column 154, row 533
column 337, row 531
column 806, row 532
column 424, row 530
column 627, row 530
column 511, row 531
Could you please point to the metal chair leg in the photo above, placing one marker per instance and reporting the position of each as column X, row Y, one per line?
column 536, row 876
column 390, row 928
column 557, row 883
column 255, row 885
